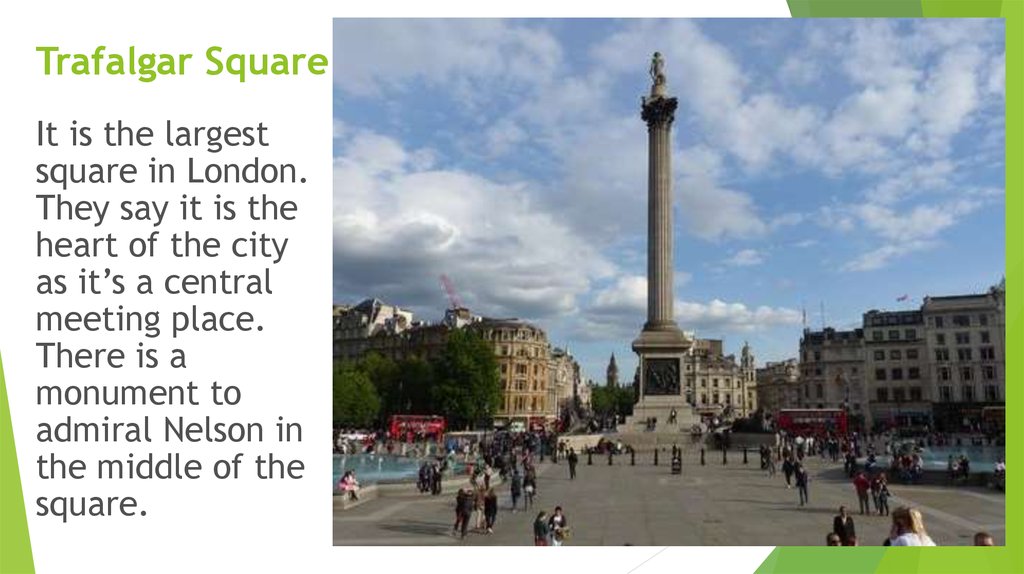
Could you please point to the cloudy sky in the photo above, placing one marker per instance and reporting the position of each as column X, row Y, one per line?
column 839, row 163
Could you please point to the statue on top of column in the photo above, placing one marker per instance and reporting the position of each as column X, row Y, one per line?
column 658, row 69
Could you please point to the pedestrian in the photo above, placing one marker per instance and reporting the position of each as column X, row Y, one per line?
column 801, row 483
column 883, row 495
column 787, row 471
column 478, row 508
column 530, row 489
column 908, row 528
column 558, row 526
column 852, row 541
column 573, row 460
column 541, row 529
column 842, row 525
column 984, row 539
column 463, row 508
column 862, row 485
column 516, row 489
column 832, row 539
column 490, row 510
column 771, row 462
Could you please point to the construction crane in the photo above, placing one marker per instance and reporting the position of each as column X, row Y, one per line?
column 449, row 288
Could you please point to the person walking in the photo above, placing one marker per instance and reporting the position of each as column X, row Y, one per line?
column 558, row 526
column 572, row 460
column 490, row 510
column 787, row 471
column 883, row 495
column 862, row 485
column 463, row 508
column 801, row 483
column 908, row 528
column 478, row 508
column 516, row 489
column 843, row 526
column 541, row 529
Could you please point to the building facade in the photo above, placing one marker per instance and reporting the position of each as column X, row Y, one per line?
column 563, row 388
column 715, row 383
column 524, row 360
column 832, row 373
column 896, row 364
column 778, row 385
column 966, row 358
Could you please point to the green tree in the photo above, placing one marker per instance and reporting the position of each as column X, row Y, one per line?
column 415, row 381
column 467, row 388
column 383, row 373
column 356, row 402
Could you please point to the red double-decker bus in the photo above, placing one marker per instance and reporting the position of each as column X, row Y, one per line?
column 410, row 427
column 811, row 422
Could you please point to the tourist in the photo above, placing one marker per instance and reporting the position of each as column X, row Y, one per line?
column 908, row 528
column 862, row 485
column 842, row 525
column 478, row 508
column 541, row 529
column 984, row 539
column 832, row 539
column 463, row 508
column 573, row 460
column 516, row 488
column 801, row 483
column 787, row 470
column 530, row 489
column 883, row 495
column 490, row 509
column 558, row 526
column 349, row 484
column 851, row 541
column 951, row 469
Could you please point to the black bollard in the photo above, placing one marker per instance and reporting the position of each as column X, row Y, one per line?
column 744, row 455
column 724, row 459
column 610, row 453
column 632, row 457
column 655, row 456
column 702, row 456
column 590, row 455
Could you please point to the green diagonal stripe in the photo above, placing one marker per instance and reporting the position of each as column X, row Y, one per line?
column 15, row 546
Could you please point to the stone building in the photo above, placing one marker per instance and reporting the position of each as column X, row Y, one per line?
column 524, row 356
column 895, row 364
column 612, row 374
column 778, row 385
column 715, row 383
column 965, row 348
column 359, row 328
column 832, row 373
column 749, row 372
column 564, row 371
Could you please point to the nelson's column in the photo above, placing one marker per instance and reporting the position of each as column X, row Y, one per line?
column 661, row 344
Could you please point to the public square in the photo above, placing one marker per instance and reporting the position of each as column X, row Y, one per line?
column 733, row 504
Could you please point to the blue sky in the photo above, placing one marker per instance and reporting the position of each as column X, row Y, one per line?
column 835, row 162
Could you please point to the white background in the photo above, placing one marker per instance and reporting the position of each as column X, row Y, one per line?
column 209, row 525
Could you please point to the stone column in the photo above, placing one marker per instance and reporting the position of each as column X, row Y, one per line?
column 659, row 112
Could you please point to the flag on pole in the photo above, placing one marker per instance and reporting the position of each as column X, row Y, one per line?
column 903, row 297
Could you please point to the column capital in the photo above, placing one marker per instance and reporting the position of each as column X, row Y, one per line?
column 659, row 111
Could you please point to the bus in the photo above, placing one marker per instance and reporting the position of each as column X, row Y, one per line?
column 413, row 427
column 810, row 422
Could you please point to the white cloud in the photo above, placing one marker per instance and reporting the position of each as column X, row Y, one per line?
column 879, row 258
column 397, row 227
column 745, row 258
column 709, row 211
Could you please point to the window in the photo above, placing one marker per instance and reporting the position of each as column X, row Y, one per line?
column 912, row 354
column 819, row 391
column 941, row 354
column 915, row 394
column 967, row 394
column 899, row 395
column 987, row 353
column 879, row 374
column 938, row 322
column 988, row 372
column 897, row 374
column 940, row 339
column 963, row 338
column 991, row 392
column 966, row 374
column 504, row 368
column 876, row 335
column 914, row 373
column 817, row 356
column 714, row 398
column 944, row 374
column 961, row 320
column 714, row 383
column 983, row 320
column 728, row 399
column 894, row 335
column 963, row 355
column 895, row 355
column 879, row 355
column 910, row 334
column 817, row 372
column 945, row 394
column 883, row 395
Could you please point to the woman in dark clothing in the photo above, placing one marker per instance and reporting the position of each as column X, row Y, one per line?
column 490, row 509
column 541, row 529
column 842, row 525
